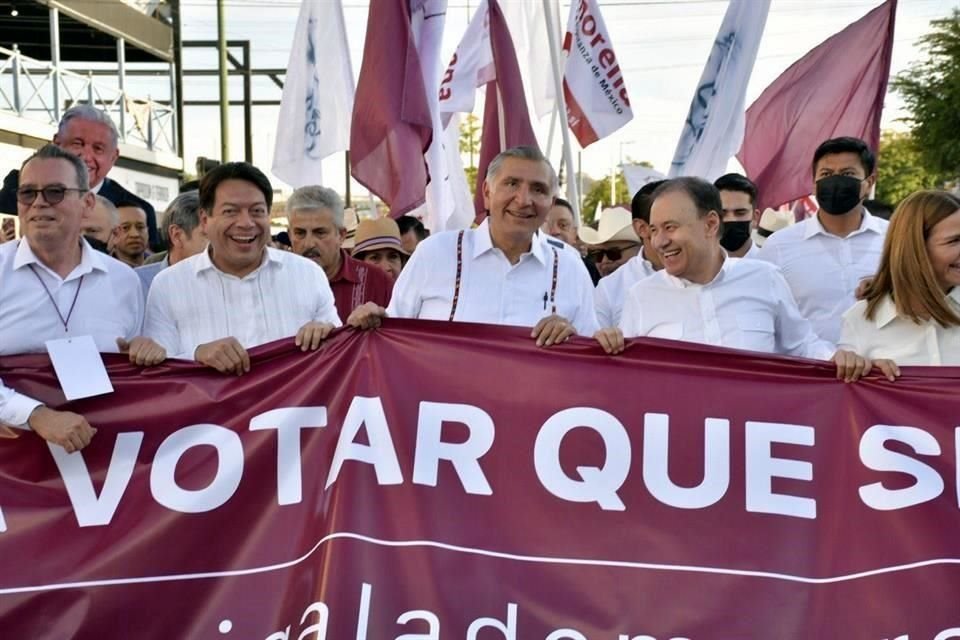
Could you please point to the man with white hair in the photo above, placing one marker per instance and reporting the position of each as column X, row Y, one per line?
column 100, row 221
column 315, row 223
column 503, row 272
column 88, row 133
column 180, row 230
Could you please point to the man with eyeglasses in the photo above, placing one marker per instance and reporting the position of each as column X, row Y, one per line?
column 239, row 292
column 88, row 133
column 53, row 285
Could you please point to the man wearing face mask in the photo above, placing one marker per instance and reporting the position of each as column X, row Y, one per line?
column 740, row 215
column 824, row 257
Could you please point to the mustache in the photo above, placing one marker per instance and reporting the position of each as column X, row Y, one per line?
column 311, row 253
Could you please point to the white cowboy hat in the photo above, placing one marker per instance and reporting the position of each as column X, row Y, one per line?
column 616, row 223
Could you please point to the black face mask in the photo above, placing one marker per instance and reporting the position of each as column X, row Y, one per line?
column 735, row 234
column 838, row 194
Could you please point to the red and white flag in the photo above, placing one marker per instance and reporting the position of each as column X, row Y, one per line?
column 837, row 89
column 593, row 84
column 392, row 125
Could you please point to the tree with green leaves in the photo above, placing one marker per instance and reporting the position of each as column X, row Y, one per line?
column 931, row 90
column 470, row 144
column 900, row 168
column 599, row 191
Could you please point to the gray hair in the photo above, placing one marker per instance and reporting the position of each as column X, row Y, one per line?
column 111, row 210
column 523, row 153
column 184, row 212
column 91, row 113
column 314, row 197
column 53, row 152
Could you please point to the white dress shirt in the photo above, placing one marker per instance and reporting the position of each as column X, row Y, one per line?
column 747, row 305
column 823, row 270
column 109, row 305
column 901, row 339
column 753, row 252
column 492, row 290
column 193, row 302
column 611, row 291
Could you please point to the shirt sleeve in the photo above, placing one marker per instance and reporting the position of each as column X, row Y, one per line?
column 585, row 320
column 795, row 334
column 158, row 324
column 631, row 318
column 15, row 408
column 603, row 305
column 849, row 334
column 769, row 252
column 326, row 310
column 405, row 300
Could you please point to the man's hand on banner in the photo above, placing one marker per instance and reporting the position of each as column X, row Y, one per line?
column 65, row 428
column 312, row 334
column 226, row 355
column 143, row 352
column 552, row 330
column 369, row 315
column 611, row 339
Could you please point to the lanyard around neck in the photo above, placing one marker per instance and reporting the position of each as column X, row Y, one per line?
column 64, row 321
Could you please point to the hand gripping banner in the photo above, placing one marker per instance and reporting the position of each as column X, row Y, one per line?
column 445, row 480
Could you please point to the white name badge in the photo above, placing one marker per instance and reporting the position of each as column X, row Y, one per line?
column 79, row 367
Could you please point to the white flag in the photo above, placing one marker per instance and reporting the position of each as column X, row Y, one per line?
column 638, row 175
column 470, row 67
column 597, row 101
column 528, row 25
column 317, row 103
column 713, row 131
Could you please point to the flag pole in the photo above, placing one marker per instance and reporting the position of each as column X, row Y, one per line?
column 572, row 192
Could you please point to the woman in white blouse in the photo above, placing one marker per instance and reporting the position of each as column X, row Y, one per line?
column 910, row 313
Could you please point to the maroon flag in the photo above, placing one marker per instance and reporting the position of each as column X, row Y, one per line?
column 391, row 128
column 503, row 92
column 837, row 89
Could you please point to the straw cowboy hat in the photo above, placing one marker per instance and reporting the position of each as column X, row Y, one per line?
column 381, row 233
column 771, row 221
column 616, row 224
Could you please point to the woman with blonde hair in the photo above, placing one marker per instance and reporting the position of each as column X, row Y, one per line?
column 910, row 313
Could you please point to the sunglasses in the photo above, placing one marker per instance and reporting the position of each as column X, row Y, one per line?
column 613, row 254
column 51, row 195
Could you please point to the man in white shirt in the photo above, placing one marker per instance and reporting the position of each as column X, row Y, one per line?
column 504, row 271
column 181, row 233
column 612, row 290
column 53, row 285
column 824, row 257
column 239, row 293
column 704, row 296
column 740, row 215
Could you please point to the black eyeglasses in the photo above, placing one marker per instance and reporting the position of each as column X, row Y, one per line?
column 613, row 254
column 51, row 195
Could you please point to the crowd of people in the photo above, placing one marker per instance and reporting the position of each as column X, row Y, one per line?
column 690, row 260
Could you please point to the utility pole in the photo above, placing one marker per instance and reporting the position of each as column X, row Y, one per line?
column 224, row 95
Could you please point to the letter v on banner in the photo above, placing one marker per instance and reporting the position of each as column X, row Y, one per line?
column 593, row 84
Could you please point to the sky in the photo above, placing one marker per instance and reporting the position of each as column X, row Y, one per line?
column 661, row 45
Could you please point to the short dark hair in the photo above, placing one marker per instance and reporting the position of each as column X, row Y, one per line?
column 846, row 144
column 705, row 196
column 53, row 152
column 879, row 208
column 737, row 182
column 233, row 171
column 560, row 202
column 643, row 199
column 409, row 223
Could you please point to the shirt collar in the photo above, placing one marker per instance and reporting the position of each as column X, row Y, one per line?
column 483, row 242
column 683, row 283
column 96, row 188
column 868, row 223
column 347, row 271
column 90, row 260
column 204, row 263
column 887, row 309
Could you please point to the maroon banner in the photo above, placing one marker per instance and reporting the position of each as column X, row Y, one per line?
column 446, row 480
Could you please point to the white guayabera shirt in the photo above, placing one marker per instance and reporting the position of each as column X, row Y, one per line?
column 193, row 302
